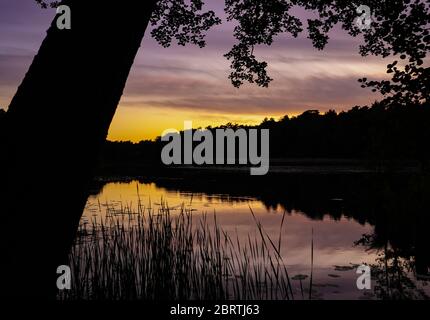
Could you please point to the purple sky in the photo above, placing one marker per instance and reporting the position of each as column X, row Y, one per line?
column 168, row 86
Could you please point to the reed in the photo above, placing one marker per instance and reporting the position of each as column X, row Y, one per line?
column 153, row 254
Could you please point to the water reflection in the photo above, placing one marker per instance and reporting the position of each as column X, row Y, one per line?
column 339, row 212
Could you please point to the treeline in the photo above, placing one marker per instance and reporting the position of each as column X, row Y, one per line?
column 377, row 132
column 364, row 133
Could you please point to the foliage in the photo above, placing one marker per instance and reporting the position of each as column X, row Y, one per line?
column 393, row 272
column 399, row 29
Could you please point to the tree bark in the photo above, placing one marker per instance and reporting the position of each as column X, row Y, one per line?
column 56, row 124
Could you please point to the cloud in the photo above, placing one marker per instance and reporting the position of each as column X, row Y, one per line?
column 286, row 96
column 190, row 78
column 12, row 69
column 193, row 79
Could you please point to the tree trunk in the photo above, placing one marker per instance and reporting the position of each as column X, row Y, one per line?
column 56, row 125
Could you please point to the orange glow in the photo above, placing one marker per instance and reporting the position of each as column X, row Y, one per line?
column 146, row 123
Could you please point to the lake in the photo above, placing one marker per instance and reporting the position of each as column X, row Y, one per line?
column 328, row 221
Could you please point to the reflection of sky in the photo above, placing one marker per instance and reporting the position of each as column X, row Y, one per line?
column 167, row 86
column 333, row 240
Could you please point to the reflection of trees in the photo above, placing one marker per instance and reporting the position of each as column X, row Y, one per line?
column 394, row 271
column 401, row 220
column 396, row 205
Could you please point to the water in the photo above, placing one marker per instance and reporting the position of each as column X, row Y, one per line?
column 336, row 256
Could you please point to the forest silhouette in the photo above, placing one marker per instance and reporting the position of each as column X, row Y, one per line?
column 376, row 135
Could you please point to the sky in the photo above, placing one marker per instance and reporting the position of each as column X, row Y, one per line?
column 169, row 86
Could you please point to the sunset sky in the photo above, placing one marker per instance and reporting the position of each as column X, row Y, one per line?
column 168, row 86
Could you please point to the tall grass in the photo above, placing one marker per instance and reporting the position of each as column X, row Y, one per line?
column 154, row 254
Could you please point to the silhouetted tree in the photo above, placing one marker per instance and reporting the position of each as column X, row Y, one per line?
column 60, row 115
